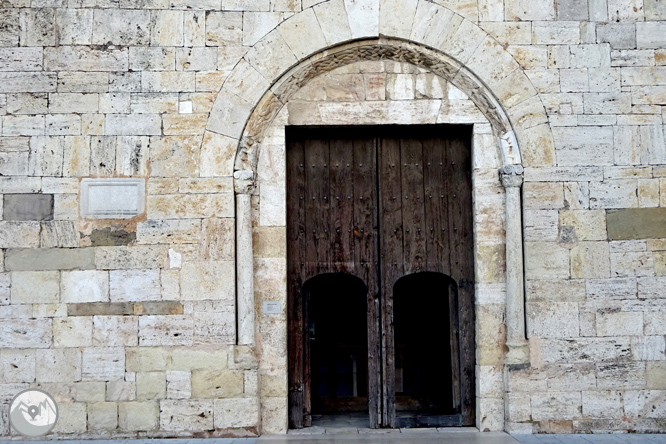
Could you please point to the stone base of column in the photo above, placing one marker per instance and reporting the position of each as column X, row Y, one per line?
column 519, row 352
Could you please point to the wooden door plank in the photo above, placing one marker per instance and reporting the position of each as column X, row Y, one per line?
column 436, row 206
column 454, row 344
column 317, row 208
column 392, row 240
column 364, row 234
column 317, row 248
column 342, row 205
column 411, row 155
column 295, row 249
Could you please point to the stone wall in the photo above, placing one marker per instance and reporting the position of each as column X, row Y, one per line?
column 122, row 319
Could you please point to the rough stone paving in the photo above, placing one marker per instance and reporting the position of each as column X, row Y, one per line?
column 151, row 325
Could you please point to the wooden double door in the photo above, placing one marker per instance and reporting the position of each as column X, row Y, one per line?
column 381, row 274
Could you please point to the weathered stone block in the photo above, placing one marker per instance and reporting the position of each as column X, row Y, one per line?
column 190, row 206
column 103, row 364
column 59, row 365
column 645, row 403
column 71, row 418
column 274, row 414
column 163, row 231
column 82, row 58
column 651, row 287
column 178, row 384
column 632, row 263
column 638, row 223
column 49, row 259
column 37, row 27
column 59, row 234
column 138, row 416
column 115, row 331
column 133, row 124
column 35, row 287
column 143, row 359
column 17, row 365
column 546, row 260
column 218, row 239
column 72, row 332
column 619, row 323
column 134, row 285
column 158, row 308
column 11, row 82
column 214, row 322
column 203, row 359
column 656, row 375
column 119, row 258
column 217, row 155
column 121, row 27
column 120, row 391
column 19, row 234
column 102, row 416
column 556, row 405
column 648, row 348
column 655, row 322
column 588, row 225
column 25, row 333
column 235, row 413
column 553, row 319
column 166, row 28
column 186, row 415
column 590, row 260
column 603, row 404
column 217, row 383
column 150, row 385
column 650, row 34
column 165, row 330
column 85, row 286
column 213, row 280
column 167, row 81
column 556, row 290
column 622, row 288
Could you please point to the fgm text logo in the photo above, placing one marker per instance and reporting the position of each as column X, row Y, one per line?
column 33, row 413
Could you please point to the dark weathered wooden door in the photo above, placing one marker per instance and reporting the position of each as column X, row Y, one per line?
column 381, row 203
column 425, row 219
column 332, row 228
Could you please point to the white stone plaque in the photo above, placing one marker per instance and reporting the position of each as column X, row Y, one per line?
column 272, row 307
column 112, row 198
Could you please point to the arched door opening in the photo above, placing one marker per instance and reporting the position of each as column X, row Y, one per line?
column 427, row 366
column 337, row 335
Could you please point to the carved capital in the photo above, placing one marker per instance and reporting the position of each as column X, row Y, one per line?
column 511, row 175
column 243, row 182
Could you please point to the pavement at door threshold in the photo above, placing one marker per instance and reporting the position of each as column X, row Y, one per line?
column 421, row 436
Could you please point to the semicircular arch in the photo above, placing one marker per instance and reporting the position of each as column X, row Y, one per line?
column 341, row 32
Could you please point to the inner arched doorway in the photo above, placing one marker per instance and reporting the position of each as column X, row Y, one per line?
column 382, row 203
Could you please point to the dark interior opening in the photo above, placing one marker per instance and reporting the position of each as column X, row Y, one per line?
column 338, row 336
column 424, row 382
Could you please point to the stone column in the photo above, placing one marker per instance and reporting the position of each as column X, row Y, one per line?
column 512, row 179
column 243, row 187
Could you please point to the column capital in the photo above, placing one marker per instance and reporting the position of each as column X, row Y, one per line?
column 243, row 182
column 511, row 175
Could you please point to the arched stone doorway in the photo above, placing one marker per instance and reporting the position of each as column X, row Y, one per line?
column 250, row 113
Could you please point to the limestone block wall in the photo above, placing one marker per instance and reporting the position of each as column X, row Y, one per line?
column 130, row 323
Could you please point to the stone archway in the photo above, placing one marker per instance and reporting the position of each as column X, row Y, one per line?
column 278, row 66
column 425, row 34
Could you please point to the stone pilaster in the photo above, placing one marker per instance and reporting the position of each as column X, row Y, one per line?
column 243, row 187
column 512, row 179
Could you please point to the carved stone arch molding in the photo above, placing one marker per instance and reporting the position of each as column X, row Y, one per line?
column 418, row 32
